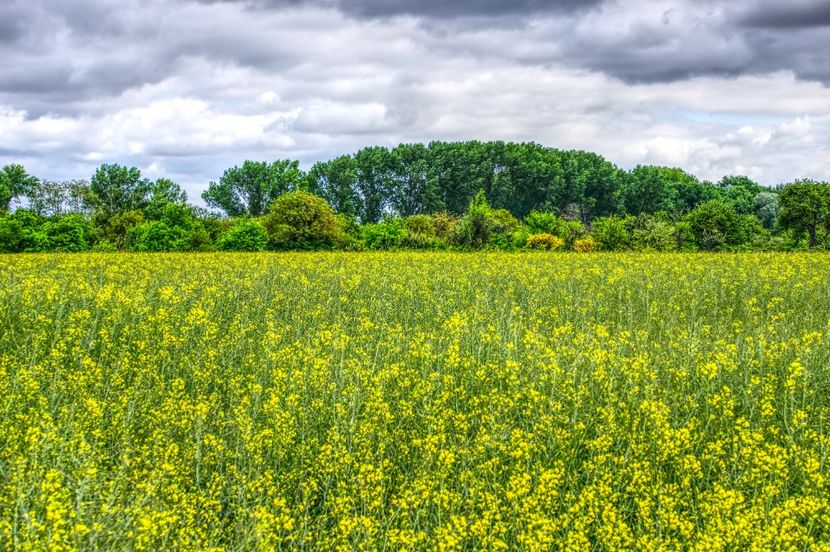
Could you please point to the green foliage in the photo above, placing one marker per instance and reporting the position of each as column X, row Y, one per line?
column 654, row 233
column 740, row 192
column 766, row 209
column 805, row 207
column 115, row 190
column 421, row 233
column 15, row 182
column 250, row 189
column 157, row 235
column 334, row 181
column 117, row 227
column 611, row 233
column 483, row 225
column 715, row 224
column 70, row 233
column 301, row 220
column 387, row 234
column 164, row 192
column 49, row 198
column 544, row 222
column 21, row 231
column 649, row 189
column 244, row 235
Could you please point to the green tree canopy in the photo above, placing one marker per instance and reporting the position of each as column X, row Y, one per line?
column 116, row 189
column 249, row 190
column 805, row 207
column 15, row 182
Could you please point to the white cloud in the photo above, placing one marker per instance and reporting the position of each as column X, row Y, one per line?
column 190, row 89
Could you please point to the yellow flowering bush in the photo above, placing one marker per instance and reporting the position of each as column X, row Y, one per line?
column 585, row 245
column 545, row 241
column 415, row 401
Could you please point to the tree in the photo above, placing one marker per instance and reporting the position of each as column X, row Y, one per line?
column 413, row 190
column 373, row 170
column 805, row 207
column 116, row 189
column 249, row 190
column 300, row 220
column 766, row 209
column 648, row 189
column 740, row 191
column 334, row 181
column 163, row 193
column 15, row 182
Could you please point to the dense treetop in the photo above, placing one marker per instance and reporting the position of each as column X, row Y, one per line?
column 442, row 194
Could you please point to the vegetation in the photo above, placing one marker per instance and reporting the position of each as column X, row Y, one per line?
column 464, row 195
column 414, row 401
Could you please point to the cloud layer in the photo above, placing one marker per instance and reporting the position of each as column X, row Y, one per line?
column 188, row 88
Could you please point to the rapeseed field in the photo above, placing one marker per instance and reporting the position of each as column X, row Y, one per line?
column 411, row 401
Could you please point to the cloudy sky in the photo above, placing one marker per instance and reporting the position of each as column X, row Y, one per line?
column 186, row 88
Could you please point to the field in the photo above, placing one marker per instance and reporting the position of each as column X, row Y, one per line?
column 415, row 401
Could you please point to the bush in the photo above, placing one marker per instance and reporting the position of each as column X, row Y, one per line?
column 483, row 225
column 387, row 234
column 571, row 231
column 419, row 224
column 610, row 233
column 245, row 235
column 585, row 245
column 156, row 236
column 715, row 224
column 444, row 225
column 300, row 220
column 545, row 241
column 544, row 223
column 70, row 233
column 20, row 231
column 654, row 234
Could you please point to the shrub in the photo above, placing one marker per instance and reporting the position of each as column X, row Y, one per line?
column 245, row 235
column 419, row 224
column 387, row 234
column 300, row 220
column 585, row 245
column 69, row 233
column 544, row 223
column 445, row 225
column 20, row 231
column 156, row 236
column 655, row 234
column 545, row 241
column 715, row 224
column 482, row 225
column 610, row 233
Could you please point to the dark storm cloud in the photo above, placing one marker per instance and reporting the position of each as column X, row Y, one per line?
column 787, row 15
column 433, row 8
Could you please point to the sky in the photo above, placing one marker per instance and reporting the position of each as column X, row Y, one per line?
column 186, row 89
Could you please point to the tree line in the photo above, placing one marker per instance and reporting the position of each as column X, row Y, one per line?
column 465, row 195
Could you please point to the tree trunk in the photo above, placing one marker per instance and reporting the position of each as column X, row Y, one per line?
column 811, row 229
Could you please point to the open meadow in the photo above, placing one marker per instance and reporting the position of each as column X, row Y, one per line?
column 415, row 401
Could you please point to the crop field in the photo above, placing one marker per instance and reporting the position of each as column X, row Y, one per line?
column 415, row 401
